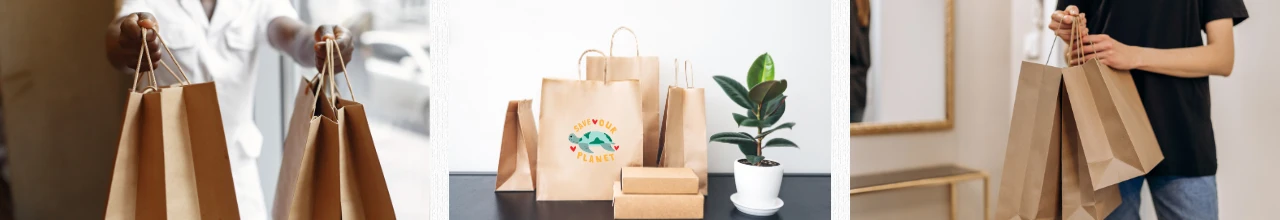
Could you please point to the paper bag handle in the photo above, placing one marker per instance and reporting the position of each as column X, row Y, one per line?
column 634, row 37
column 320, row 79
column 687, row 74
column 143, row 52
column 1077, row 40
column 329, row 73
column 584, row 55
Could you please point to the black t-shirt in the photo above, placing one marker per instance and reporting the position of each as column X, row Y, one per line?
column 1177, row 107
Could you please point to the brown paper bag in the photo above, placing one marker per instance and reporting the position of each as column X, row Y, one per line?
column 644, row 69
column 171, row 162
column 589, row 130
column 1079, row 199
column 684, row 130
column 1114, row 130
column 518, row 159
column 331, row 168
column 1029, row 186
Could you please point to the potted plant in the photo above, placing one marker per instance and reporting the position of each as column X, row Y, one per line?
column 757, row 179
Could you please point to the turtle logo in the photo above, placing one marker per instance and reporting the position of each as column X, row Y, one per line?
column 592, row 138
column 598, row 135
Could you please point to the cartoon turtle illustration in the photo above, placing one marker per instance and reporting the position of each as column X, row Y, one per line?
column 592, row 138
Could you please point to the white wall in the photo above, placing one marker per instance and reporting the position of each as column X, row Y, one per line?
column 907, row 81
column 500, row 50
column 1244, row 109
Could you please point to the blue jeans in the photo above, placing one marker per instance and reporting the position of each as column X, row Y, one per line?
column 1175, row 197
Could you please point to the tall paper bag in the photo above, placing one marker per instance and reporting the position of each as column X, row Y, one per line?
column 589, row 130
column 641, row 68
column 684, row 130
column 1080, row 201
column 518, row 158
column 1029, row 186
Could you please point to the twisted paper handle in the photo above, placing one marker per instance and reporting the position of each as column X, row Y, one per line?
column 143, row 53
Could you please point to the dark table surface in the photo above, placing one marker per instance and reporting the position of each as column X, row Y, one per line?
column 471, row 196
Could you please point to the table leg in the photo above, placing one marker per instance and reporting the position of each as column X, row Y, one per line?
column 986, row 199
column 953, row 201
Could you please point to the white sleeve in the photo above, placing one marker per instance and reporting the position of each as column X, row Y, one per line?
column 272, row 9
column 132, row 6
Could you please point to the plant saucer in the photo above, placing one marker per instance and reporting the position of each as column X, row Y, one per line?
column 756, row 211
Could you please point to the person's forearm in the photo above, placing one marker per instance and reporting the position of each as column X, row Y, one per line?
column 291, row 36
column 1216, row 57
column 1191, row 62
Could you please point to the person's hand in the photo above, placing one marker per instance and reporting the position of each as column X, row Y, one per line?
column 1108, row 52
column 1063, row 21
column 338, row 34
column 131, row 40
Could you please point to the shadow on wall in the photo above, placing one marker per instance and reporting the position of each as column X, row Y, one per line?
column 63, row 105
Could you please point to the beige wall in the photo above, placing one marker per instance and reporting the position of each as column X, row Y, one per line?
column 1245, row 108
column 982, row 109
column 62, row 105
column 1246, row 117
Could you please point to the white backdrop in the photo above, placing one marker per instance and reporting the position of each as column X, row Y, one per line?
column 500, row 50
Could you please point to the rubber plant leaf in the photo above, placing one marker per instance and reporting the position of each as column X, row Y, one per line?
column 734, row 90
column 761, row 70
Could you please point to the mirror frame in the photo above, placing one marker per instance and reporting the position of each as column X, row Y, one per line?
column 868, row 128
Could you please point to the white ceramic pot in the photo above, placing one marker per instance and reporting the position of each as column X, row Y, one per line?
column 757, row 186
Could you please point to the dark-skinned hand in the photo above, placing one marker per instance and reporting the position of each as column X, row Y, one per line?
column 131, row 40
column 339, row 35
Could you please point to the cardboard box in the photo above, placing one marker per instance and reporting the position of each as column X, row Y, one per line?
column 655, row 180
column 655, row 206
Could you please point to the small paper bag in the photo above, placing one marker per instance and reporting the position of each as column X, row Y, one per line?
column 1080, row 201
column 518, row 158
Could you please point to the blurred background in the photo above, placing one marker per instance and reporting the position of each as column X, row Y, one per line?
column 992, row 37
column 64, row 101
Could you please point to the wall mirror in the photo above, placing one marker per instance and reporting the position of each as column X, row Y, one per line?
column 902, row 66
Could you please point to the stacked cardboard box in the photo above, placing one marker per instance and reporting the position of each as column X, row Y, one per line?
column 657, row 193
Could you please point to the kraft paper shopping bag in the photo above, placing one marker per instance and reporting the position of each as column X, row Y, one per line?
column 518, row 158
column 1080, row 201
column 641, row 68
column 1114, row 130
column 589, row 130
column 684, row 129
column 171, row 161
column 331, row 168
column 1029, row 185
